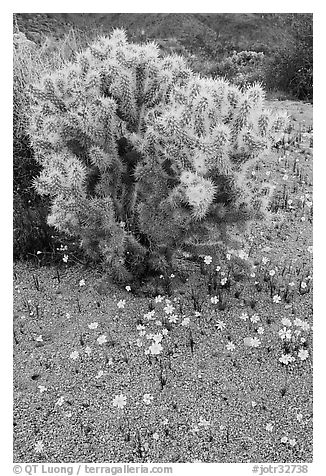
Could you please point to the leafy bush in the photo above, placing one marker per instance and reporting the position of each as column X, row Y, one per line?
column 242, row 68
column 291, row 68
column 140, row 156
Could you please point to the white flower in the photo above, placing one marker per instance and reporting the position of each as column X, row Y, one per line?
column 214, row 299
column 218, row 268
column 303, row 354
column 305, row 326
column 284, row 439
column 39, row 252
column 65, row 258
column 121, row 304
column 42, row 388
column 260, row 330
column 272, row 272
column 128, row 288
column 156, row 348
column 310, row 249
column 269, row 427
column 119, row 401
column 74, row 355
column 292, row 442
column 156, row 436
column 197, row 314
column 142, row 333
column 173, row 318
column 285, row 333
column 252, row 275
column 253, row 404
column 220, row 325
column 102, row 339
column 150, row 315
column 230, row 346
column 88, row 350
column 172, row 275
column 265, row 260
column 165, row 421
column 286, row 322
column 255, row 318
column 157, row 337
column 185, row 321
column 228, row 256
column 68, row 315
column 39, row 339
column 208, row 259
column 100, row 374
column 93, row 325
column 255, row 342
column 303, row 285
column 276, row 299
column 285, row 177
column 148, row 398
column 82, row 282
column 244, row 316
column 285, row 359
column 168, row 309
column 165, row 332
column 39, row 447
column 140, row 327
column 292, row 284
column 158, row 298
column 223, row 281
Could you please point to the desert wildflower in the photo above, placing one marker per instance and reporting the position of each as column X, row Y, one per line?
column 93, row 325
column 158, row 298
column 156, row 436
column 292, row 442
column 156, row 348
column 65, row 258
column 148, row 398
column 128, row 288
column 276, row 299
column 264, row 260
column 285, row 333
column 82, row 282
column 303, row 354
column 139, row 343
column 204, row 423
column 119, row 401
column 185, row 322
column 42, row 388
column 39, row 339
column 121, row 304
column 272, row 272
column 214, row 299
column 100, row 374
column 140, row 327
column 39, row 447
column 173, row 318
column 197, row 314
column 208, row 260
column 88, row 350
column 303, row 285
column 230, row 346
column 255, row 342
column 269, row 427
column 223, row 281
column 228, row 256
column 74, row 355
column 102, row 339
column 299, row 417
column 284, row 439
column 220, row 325
column 286, row 322
column 243, row 255
column 244, row 316
column 165, row 331
column 255, row 318
column 260, row 330
column 168, row 309
column 286, row 359
column 157, row 337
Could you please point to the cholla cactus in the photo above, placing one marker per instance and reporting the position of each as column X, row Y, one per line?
column 139, row 154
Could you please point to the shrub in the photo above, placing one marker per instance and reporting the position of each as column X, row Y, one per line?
column 242, row 68
column 140, row 156
column 291, row 68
